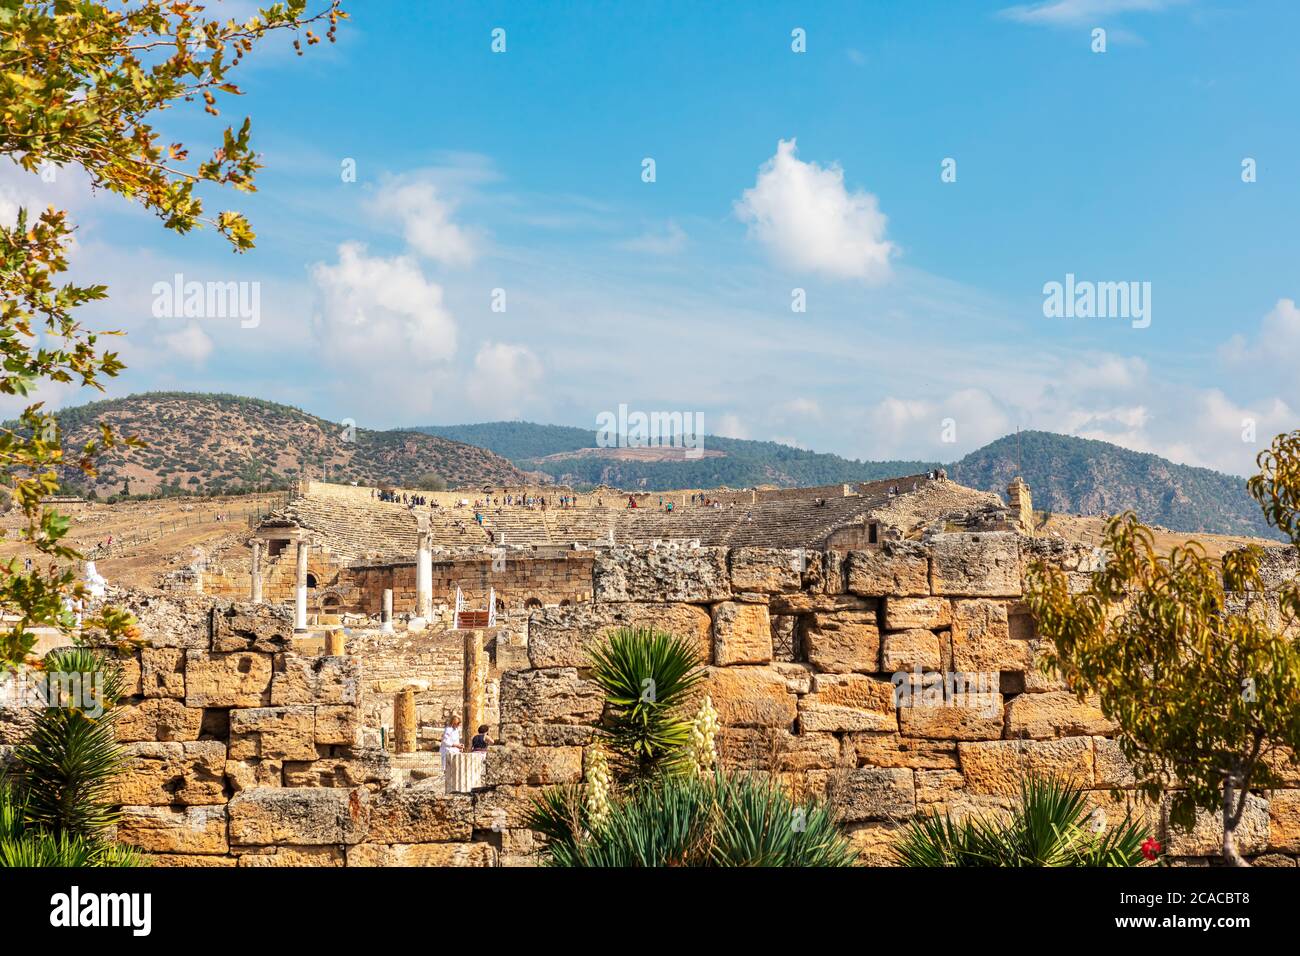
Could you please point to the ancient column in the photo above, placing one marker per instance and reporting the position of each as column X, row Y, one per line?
column 476, row 675
column 388, row 611
column 404, row 721
column 335, row 643
column 300, row 591
column 424, row 572
column 256, row 596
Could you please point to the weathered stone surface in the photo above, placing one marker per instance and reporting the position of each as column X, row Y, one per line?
column 226, row 680
column 167, row 620
column 159, row 774
column 251, row 627
column 315, row 680
column 420, row 814
column 981, row 639
column 807, row 602
column 337, row 724
column 292, row 856
column 298, row 815
column 903, row 613
column 174, row 830
column 158, row 718
column 843, row 642
column 997, row 766
column 563, row 636
column 422, row 854
column 189, row 860
column 906, row 650
column 1037, row 679
column 1284, row 820
column 968, row 717
column 874, row 843
column 873, row 794
column 248, row 774
column 772, row 748
column 975, row 565
column 1205, row 838
column 750, row 696
column 369, row 768
column 885, row 749
column 662, row 575
column 553, row 707
column 742, row 634
column 1112, row 767
column 129, row 661
column 503, row 807
column 162, row 672
column 766, row 570
column 888, row 571
column 842, row 702
column 536, row 766
column 1054, row 714
column 276, row 733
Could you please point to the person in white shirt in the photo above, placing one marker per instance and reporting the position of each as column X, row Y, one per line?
column 450, row 740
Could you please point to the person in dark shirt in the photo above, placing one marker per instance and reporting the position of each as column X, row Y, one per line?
column 481, row 741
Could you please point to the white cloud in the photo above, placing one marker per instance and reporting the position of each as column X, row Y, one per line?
column 910, row 427
column 1278, row 339
column 729, row 426
column 809, row 221
column 190, row 343
column 505, row 379
column 1075, row 12
column 381, row 318
column 425, row 217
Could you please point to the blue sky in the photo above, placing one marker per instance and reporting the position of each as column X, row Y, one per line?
column 522, row 171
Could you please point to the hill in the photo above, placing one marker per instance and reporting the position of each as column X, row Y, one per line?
column 1068, row 475
column 212, row 444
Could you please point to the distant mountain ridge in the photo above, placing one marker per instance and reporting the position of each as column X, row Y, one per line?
column 1065, row 474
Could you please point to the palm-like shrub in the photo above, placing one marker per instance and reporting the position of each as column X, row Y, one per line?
column 646, row 676
column 25, row 845
column 687, row 820
column 1050, row 827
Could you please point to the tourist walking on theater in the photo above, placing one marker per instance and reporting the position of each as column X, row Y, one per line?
column 450, row 740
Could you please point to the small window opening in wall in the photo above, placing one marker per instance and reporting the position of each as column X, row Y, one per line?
column 311, row 580
column 873, row 533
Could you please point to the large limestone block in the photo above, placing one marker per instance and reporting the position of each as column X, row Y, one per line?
column 363, row 768
column 168, row 620
column 874, row 843
column 888, row 572
column 275, row 733
column 549, row 707
column 975, row 565
column 871, row 793
column 563, row 636
column 315, row 680
column 810, row 602
column 309, row 816
column 767, row 570
column 504, row 807
column 1205, row 838
column 238, row 626
column 1284, row 821
column 750, row 696
column 536, row 766
column 886, row 749
column 337, row 724
column 174, row 829
column 422, row 854
column 662, row 575
column 158, row 718
column 966, row 717
column 1055, row 714
column 903, row 613
column 772, row 748
column 742, row 634
column 998, row 766
column 227, row 680
column 291, row 856
column 909, row 650
column 982, row 641
column 1112, row 767
column 189, row 860
column 250, row 774
column 848, row 702
column 162, row 672
column 420, row 814
column 843, row 642
column 189, row 773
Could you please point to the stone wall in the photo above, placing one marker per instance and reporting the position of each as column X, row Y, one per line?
column 891, row 681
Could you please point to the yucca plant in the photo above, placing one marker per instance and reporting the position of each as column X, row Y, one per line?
column 67, row 761
column 1050, row 827
column 713, row 820
column 646, row 676
column 25, row 845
